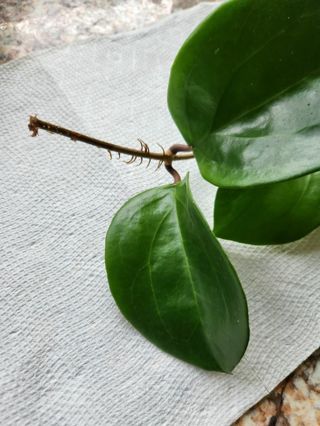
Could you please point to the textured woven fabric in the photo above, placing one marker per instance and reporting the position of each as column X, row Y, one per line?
column 67, row 356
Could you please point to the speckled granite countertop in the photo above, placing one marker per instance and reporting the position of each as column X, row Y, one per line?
column 29, row 25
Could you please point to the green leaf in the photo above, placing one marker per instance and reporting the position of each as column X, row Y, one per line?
column 270, row 214
column 172, row 280
column 244, row 91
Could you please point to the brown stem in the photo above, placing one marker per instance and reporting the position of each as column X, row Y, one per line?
column 170, row 155
column 171, row 152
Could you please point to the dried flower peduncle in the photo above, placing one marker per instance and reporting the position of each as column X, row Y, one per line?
column 166, row 157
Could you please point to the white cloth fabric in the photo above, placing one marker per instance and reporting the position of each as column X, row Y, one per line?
column 67, row 356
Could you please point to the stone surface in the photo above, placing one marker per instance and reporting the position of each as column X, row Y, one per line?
column 296, row 401
column 31, row 25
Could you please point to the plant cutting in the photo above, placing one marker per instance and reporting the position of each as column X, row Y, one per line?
column 244, row 93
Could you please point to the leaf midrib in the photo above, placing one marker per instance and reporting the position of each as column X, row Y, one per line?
column 195, row 294
column 186, row 261
column 150, row 274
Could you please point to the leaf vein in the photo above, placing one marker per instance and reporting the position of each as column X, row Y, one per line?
column 150, row 274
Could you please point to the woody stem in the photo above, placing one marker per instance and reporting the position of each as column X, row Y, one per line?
column 35, row 124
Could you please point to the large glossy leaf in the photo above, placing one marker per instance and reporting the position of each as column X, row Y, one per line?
column 173, row 282
column 271, row 214
column 244, row 91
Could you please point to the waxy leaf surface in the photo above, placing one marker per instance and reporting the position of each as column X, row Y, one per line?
column 173, row 282
column 270, row 214
column 244, row 91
